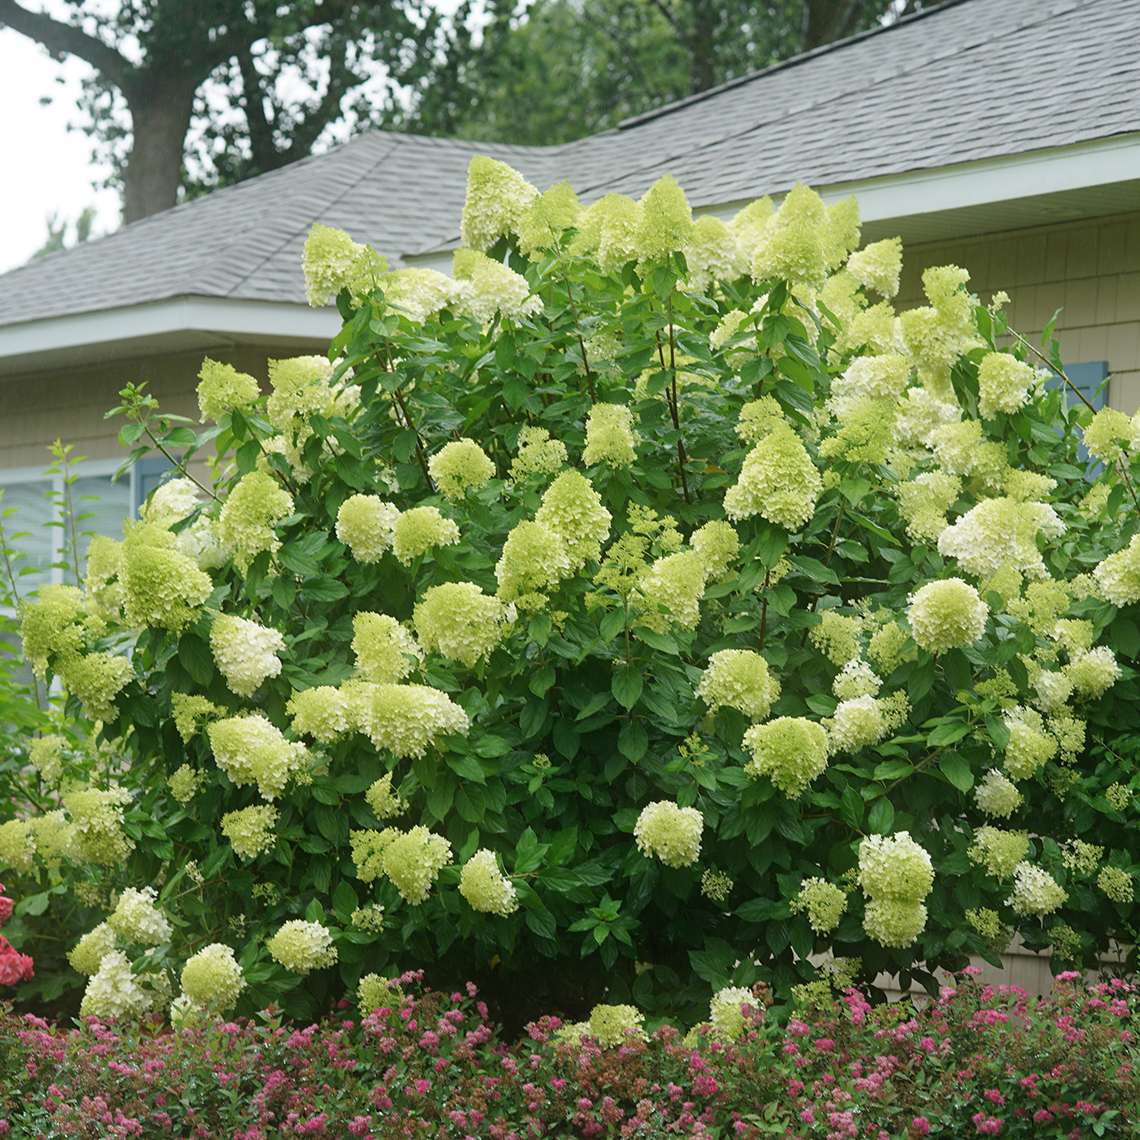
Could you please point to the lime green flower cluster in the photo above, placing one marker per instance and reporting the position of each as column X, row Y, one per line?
column 537, row 454
column 610, row 438
column 1001, row 533
column 739, row 679
column 997, row 795
column 823, row 902
column 321, row 713
column 460, row 466
column 366, row 524
column 222, row 389
column 332, row 261
column 726, row 1011
column 987, row 922
column 856, row 679
column 212, row 978
column 411, row 860
column 255, row 506
column 778, row 481
column 999, row 852
column 1029, row 746
column 1004, row 383
column 245, row 652
column 250, row 830
column 375, row 992
column 136, row 918
column 716, row 884
column 496, row 291
column 612, row 1025
column 805, row 240
column 460, row 622
column 948, row 614
column 404, row 719
column 1093, row 673
column 485, row 887
column 419, row 530
column 717, row 544
column 1115, row 883
column 878, row 266
column 936, row 335
column 189, row 711
column 1111, row 434
column 382, row 800
column 250, row 749
column 88, row 953
column 895, row 874
column 114, row 992
column 96, row 679
column 96, row 817
column 302, row 947
column 1035, row 891
column 17, row 845
column 185, row 782
column 669, row 833
column 385, row 651
column 1118, row 575
column 791, row 751
column 45, row 754
column 498, row 199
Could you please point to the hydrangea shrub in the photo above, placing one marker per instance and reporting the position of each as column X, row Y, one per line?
column 646, row 609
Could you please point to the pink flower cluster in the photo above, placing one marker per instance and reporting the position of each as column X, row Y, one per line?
column 14, row 966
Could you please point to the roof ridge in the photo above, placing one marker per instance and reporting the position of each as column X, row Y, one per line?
column 1040, row 16
column 783, row 65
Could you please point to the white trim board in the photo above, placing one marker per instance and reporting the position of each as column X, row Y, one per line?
column 987, row 182
column 157, row 320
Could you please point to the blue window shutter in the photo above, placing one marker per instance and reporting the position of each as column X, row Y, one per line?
column 149, row 473
column 1090, row 380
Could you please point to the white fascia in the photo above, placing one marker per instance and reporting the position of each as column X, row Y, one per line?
column 985, row 182
column 270, row 320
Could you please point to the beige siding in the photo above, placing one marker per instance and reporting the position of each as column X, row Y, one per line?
column 38, row 408
column 1090, row 270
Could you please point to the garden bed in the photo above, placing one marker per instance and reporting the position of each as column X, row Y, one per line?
column 978, row 1061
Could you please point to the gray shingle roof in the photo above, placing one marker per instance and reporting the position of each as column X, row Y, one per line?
column 971, row 80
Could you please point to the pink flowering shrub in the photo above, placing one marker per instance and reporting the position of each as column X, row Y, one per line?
column 978, row 1061
column 14, row 966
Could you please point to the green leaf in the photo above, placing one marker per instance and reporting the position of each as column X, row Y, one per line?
column 195, row 657
column 633, row 740
column 957, row 770
column 947, row 734
column 466, row 766
column 627, row 685
column 344, row 899
column 881, row 817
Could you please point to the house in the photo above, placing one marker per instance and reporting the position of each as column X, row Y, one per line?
column 1004, row 137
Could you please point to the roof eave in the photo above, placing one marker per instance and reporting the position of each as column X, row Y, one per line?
column 170, row 324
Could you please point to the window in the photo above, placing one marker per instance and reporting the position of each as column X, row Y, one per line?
column 35, row 528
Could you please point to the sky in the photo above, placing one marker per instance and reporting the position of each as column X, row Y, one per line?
column 51, row 168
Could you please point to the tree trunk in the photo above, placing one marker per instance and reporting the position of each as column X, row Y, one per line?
column 160, row 106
